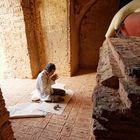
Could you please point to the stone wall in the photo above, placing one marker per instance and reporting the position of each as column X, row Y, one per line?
column 33, row 33
column 13, row 41
column 55, row 28
column 117, row 94
column 6, row 132
column 92, row 31
column 36, row 32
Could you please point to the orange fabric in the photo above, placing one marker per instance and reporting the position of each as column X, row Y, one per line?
column 131, row 25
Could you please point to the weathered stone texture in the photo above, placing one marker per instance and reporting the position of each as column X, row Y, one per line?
column 6, row 132
column 54, row 19
column 124, row 94
column 108, row 71
column 33, row 33
column 93, row 28
column 13, row 40
column 106, row 99
column 116, row 108
column 36, row 32
column 127, row 54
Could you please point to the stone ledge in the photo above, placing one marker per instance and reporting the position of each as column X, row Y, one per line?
column 117, row 109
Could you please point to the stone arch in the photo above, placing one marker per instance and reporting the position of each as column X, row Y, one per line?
column 86, row 39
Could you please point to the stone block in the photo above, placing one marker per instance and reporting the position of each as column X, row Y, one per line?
column 108, row 72
column 105, row 98
column 117, row 111
column 126, row 52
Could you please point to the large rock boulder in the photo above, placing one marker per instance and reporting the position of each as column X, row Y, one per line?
column 116, row 97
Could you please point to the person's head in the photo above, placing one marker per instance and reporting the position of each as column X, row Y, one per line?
column 50, row 68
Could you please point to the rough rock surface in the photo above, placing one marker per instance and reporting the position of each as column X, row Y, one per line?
column 108, row 71
column 6, row 132
column 127, row 54
column 116, row 97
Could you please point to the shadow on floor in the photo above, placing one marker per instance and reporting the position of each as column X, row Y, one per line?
column 84, row 72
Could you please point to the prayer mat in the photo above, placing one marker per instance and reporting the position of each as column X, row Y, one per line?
column 34, row 109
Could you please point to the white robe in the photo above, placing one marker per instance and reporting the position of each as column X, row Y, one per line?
column 43, row 85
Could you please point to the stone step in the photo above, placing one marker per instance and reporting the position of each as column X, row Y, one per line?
column 127, row 54
column 108, row 71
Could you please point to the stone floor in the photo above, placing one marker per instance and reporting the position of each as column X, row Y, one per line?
column 74, row 124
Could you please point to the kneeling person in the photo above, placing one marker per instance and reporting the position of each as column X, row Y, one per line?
column 44, row 81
